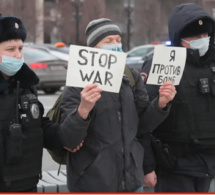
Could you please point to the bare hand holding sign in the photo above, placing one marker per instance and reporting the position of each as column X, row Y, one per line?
column 90, row 65
column 167, row 65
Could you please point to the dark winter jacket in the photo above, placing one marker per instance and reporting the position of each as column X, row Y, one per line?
column 21, row 148
column 189, row 129
column 111, row 157
column 20, row 132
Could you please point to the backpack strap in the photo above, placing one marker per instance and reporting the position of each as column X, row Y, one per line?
column 54, row 113
column 128, row 72
column 59, row 156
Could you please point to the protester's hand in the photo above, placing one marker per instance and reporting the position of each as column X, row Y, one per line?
column 89, row 96
column 150, row 179
column 166, row 94
column 75, row 149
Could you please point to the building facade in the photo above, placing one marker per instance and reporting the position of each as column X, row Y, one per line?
column 50, row 21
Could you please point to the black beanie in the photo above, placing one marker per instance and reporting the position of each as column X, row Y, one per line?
column 197, row 27
column 11, row 28
column 100, row 28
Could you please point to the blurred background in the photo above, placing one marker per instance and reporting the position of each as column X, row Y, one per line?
column 50, row 21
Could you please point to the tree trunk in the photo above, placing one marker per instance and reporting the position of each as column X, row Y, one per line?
column 39, row 26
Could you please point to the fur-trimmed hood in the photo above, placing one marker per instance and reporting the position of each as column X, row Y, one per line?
column 25, row 76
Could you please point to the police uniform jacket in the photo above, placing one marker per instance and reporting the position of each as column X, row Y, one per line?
column 111, row 157
column 189, row 129
column 21, row 135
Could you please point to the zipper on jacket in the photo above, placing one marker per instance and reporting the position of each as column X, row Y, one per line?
column 122, row 151
column 123, row 183
column 119, row 116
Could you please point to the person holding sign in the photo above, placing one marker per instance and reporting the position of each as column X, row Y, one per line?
column 111, row 157
column 184, row 143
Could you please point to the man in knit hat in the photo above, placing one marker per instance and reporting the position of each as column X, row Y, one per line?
column 99, row 29
column 111, row 158
column 188, row 133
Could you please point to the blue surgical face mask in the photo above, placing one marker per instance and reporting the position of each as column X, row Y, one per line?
column 113, row 47
column 10, row 65
column 201, row 44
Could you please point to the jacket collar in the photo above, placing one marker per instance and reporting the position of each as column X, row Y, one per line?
column 193, row 57
column 25, row 76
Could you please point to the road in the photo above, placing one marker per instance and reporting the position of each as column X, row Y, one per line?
column 48, row 101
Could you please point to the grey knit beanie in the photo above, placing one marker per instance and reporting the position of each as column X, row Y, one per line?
column 100, row 28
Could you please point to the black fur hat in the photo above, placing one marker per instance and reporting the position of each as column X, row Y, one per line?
column 198, row 27
column 11, row 28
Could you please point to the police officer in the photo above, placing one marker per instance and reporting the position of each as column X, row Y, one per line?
column 184, row 143
column 23, row 131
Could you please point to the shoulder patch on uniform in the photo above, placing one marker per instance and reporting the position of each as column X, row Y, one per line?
column 144, row 76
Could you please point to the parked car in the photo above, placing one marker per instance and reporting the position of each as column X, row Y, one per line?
column 59, row 50
column 50, row 68
column 137, row 55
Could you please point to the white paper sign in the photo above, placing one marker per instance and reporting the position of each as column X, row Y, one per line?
column 167, row 65
column 90, row 65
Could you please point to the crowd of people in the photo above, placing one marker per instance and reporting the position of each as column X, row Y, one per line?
column 160, row 136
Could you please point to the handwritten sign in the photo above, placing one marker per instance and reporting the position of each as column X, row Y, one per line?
column 167, row 65
column 91, row 65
